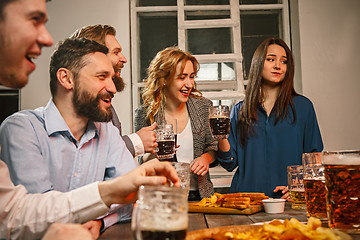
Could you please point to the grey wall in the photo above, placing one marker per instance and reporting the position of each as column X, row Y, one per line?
column 330, row 69
column 325, row 33
column 65, row 16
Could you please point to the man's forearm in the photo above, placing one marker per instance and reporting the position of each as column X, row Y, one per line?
column 29, row 215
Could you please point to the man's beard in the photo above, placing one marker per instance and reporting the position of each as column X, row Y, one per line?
column 88, row 106
column 119, row 83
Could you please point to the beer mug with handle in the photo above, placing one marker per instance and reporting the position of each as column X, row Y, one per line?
column 314, row 183
column 342, row 181
column 161, row 212
column 219, row 121
column 165, row 137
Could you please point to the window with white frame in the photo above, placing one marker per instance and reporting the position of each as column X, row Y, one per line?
column 221, row 34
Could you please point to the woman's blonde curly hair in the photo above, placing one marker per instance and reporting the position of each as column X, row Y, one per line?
column 161, row 71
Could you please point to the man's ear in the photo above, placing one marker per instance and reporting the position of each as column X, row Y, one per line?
column 65, row 78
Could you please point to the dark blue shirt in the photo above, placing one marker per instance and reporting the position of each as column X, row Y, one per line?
column 261, row 164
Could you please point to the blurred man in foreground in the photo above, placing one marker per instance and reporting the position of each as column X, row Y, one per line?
column 70, row 142
column 27, row 216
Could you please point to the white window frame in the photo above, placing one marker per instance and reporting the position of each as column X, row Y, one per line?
column 233, row 22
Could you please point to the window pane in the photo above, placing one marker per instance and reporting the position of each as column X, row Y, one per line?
column 156, row 33
column 246, row 2
column 216, row 72
column 204, row 15
column 209, row 40
column 225, row 92
column 141, row 90
column 142, row 3
column 256, row 26
column 229, row 103
column 206, row 2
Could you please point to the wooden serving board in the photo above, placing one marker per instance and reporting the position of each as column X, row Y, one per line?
column 193, row 208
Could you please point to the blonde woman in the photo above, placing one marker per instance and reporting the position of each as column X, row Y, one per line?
column 170, row 93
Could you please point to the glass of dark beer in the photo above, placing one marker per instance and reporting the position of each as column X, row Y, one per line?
column 342, row 181
column 296, row 186
column 219, row 121
column 165, row 138
column 161, row 212
column 173, row 122
column 314, row 183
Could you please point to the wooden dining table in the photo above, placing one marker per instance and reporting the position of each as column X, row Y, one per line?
column 207, row 220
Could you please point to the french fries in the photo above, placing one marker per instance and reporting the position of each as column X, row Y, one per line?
column 233, row 200
column 289, row 229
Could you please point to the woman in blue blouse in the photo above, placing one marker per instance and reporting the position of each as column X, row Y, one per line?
column 271, row 127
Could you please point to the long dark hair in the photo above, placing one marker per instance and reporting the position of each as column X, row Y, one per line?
column 254, row 95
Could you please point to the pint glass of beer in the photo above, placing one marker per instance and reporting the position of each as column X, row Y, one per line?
column 161, row 212
column 342, row 180
column 219, row 121
column 314, row 183
column 165, row 138
column 296, row 186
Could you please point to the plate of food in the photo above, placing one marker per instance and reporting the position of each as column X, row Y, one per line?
column 276, row 229
column 231, row 203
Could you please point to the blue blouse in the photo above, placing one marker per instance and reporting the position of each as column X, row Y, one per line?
column 261, row 164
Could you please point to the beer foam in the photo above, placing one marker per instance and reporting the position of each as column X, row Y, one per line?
column 342, row 159
column 297, row 190
column 321, row 178
column 164, row 222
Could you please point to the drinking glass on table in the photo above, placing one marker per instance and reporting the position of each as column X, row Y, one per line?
column 161, row 212
column 296, row 186
column 219, row 121
column 314, row 183
column 183, row 172
column 165, row 139
column 342, row 181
